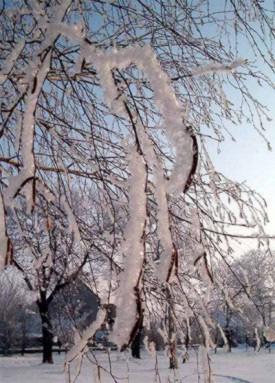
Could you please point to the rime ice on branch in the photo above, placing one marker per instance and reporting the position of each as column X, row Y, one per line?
column 36, row 76
column 133, row 249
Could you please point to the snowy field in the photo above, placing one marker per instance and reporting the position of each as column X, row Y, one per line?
column 238, row 367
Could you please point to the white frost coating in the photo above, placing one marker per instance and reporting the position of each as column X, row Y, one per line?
column 197, row 245
column 27, row 137
column 162, row 331
column 145, row 59
column 80, row 345
column 214, row 67
column 258, row 340
column 73, row 226
column 229, row 301
column 207, row 337
column 45, row 260
column 227, row 297
column 149, row 346
column 163, row 225
column 37, row 74
column 160, row 192
column 47, row 193
column 207, row 375
column 196, row 225
column 269, row 334
column 18, row 130
column 206, row 316
column 10, row 60
column 3, row 237
column 132, row 248
column 224, row 338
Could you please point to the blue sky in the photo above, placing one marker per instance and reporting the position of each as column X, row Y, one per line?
column 248, row 159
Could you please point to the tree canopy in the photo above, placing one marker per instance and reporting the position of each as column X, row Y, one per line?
column 107, row 109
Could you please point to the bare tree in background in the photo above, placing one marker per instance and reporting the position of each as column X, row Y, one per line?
column 46, row 254
column 252, row 292
column 116, row 102
column 14, row 303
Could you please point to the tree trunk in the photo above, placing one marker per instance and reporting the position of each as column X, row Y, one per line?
column 228, row 335
column 47, row 331
column 173, row 360
column 135, row 346
column 23, row 332
column 47, row 345
column 227, row 330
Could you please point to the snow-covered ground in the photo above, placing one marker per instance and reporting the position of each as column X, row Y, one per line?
column 237, row 367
